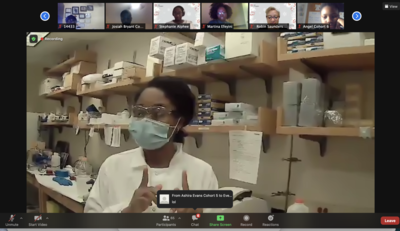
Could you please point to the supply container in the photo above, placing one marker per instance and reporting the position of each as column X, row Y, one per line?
column 298, row 207
column 55, row 161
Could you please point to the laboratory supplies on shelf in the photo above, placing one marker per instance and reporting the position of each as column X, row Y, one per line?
column 303, row 41
column 298, row 207
column 49, row 84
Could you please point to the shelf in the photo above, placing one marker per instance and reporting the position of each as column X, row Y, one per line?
column 78, row 56
column 58, row 124
column 337, row 59
column 317, row 131
column 264, row 66
column 125, row 87
column 61, row 94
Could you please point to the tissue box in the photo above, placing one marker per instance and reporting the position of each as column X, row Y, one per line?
column 215, row 54
column 244, row 45
column 84, row 68
column 186, row 55
column 240, row 107
column 169, row 56
column 204, row 40
column 158, row 45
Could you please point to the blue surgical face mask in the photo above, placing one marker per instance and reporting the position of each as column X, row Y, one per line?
column 150, row 134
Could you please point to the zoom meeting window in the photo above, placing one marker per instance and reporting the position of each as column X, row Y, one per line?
column 328, row 16
column 128, row 16
column 272, row 16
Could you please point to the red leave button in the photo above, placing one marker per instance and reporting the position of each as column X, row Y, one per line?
column 390, row 220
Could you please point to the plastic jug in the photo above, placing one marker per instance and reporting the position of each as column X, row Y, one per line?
column 55, row 161
column 298, row 207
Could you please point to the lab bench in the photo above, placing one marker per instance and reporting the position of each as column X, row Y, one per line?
column 45, row 193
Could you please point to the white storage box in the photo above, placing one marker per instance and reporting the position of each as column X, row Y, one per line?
column 158, row 45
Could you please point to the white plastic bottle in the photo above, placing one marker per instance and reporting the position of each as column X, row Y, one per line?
column 55, row 161
column 298, row 207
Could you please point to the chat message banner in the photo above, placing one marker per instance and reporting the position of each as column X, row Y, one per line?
column 195, row 199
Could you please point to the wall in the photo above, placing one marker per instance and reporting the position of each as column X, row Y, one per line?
column 97, row 15
column 342, row 181
column 239, row 16
column 144, row 15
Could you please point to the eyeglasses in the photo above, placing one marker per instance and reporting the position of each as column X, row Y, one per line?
column 273, row 17
column 155, row 113
column 222, row 12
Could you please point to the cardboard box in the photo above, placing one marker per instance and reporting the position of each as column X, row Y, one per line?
column 186, row 55
column 244, row 45
column 130, row 73
column 158, row 45
column 72, row 81
column 204, row 40
column 169, row 56
column 84, row 68
column 201, row 60
column 124, row 64
column 215, row 54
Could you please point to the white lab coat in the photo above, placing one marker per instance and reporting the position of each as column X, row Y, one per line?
column 121, row 174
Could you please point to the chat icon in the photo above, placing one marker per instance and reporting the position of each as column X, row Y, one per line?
column 194, row 218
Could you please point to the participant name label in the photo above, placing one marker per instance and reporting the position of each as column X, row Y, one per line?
column 195, row 199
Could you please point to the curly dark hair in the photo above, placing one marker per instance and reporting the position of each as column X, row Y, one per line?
column 216, row 6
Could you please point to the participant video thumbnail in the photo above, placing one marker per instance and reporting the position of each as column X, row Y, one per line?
column 225, row 16
column 177, row 16
column 313, row 16
column 85, row 16
column 272, row 16
column 129, row 16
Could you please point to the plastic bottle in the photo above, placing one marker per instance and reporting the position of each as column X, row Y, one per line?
column 80, row 116
column 55, row 161
column 298, row 207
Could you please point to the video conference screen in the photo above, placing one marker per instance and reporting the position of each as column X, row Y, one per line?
column 128, row 15
column 177, row 16
column 85, row 16
column 329, row 16
column 272, row 16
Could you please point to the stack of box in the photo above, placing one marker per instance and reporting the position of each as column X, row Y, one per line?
column 313, row 103
column 126, row 70
column 303, row 41
column 85, row 67
column 291, row 102
column 207, row 105
column 353, row 102
column 158, row 46
column 237, row 114
column 180, row 56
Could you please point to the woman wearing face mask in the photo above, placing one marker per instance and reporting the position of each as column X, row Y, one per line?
column 128, row 182
column 220, row 13
column 178, row 12
column 330, row 15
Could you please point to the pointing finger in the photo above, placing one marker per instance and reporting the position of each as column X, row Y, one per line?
column 145, row 178
column 185, row 185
